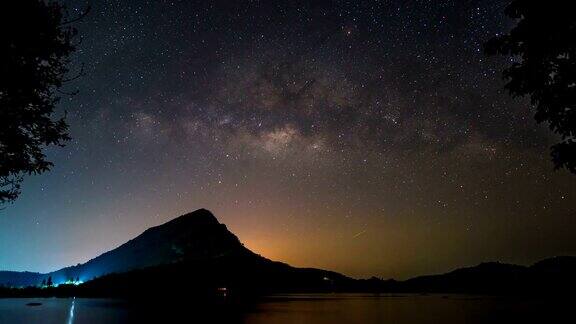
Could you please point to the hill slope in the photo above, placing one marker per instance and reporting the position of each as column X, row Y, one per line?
column 552, row 275
column 195, row 252
column 195, row 241
column 195, row 235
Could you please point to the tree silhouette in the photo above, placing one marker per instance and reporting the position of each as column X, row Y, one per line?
column 543, row 50
column 49, row 283
column 35, row 48
column 44, row 282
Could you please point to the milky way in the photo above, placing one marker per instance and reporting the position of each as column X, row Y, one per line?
column 371, row 138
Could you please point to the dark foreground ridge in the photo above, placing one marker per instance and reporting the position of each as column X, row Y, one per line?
column 196, row 255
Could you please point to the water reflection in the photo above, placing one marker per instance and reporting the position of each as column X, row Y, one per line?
column 71, row 313
column 309, row 308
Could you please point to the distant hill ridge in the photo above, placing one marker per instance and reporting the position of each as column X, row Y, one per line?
column 196, row 250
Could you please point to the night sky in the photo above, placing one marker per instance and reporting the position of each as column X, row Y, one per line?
column 369, row 138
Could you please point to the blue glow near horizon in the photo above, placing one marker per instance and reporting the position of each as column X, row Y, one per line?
column 68, row 282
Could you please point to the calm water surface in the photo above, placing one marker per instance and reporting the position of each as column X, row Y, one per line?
column 301, row 309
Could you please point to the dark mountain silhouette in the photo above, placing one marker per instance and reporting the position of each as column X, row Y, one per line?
column 196, row 255
column 196, row 235
column 196, row 239
column 553, row 275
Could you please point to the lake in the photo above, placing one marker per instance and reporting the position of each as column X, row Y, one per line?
column 294, row 308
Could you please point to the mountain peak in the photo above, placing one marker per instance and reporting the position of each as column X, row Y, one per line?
column 193, row 236
column 198, row 217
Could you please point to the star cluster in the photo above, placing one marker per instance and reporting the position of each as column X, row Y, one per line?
column 368, row 137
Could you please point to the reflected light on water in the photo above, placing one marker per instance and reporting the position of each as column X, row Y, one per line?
column 71, row 314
